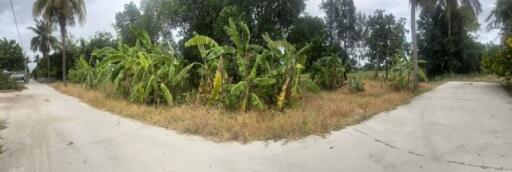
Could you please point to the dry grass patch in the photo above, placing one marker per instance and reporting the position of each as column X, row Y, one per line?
column 317, row 114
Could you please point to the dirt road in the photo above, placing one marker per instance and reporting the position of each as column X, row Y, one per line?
column 456, row 127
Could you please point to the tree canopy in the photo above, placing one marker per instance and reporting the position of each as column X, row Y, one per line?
column 11, row 56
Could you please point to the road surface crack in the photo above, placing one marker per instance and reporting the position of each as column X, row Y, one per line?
column 433, row 158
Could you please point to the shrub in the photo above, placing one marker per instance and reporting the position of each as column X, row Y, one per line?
column 7, row 83
column 328, row 72
column 356, row 85
column 500, row 63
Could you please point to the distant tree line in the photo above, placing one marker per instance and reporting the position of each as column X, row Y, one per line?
column 446, row 31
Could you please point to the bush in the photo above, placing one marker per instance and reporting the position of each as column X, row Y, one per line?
column 356, row 85
column 501, row 63
column 6, row 83
column 328, row 72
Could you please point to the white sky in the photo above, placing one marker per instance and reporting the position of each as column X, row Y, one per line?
column 101, row 14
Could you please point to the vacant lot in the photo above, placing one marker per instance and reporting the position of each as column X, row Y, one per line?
column 317, row 114
column 458, row 126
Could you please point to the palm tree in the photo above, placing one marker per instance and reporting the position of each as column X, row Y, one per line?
column 64, row 13
column 501, row 18
column 451, row 5
column 415, row 4
column 44, row 40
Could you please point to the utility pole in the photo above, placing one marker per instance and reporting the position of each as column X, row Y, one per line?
column 21, row 42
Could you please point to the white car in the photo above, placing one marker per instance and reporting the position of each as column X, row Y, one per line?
column 19, row 77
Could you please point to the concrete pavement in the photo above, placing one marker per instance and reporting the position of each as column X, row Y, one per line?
column 456, row 127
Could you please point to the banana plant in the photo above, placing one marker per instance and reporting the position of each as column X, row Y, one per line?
column 287, row 64
column 247, row 61
column 211, row 69
column 401, row 72
column 248, row 58
column 146, row 73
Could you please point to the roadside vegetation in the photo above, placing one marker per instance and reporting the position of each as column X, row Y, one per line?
column 2, row 126
column 11, row 60
column 7, row 83
column 315, row 114
column 258, row 70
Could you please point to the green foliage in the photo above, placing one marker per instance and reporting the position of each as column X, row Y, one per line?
column 63, row 13
column 98, row 41
column 501, row 18
column 328, row 72
column 7, row 83
column 500, row 63
column 44, row 41
column 82, row 72
column 356, row 85
column 259, row 73
column 341, row 21
column 145, row 73
column 147, row 18
column 310, row 30
column 11, row 56
column 448, row 49
column 386, row 38
column 401, row 73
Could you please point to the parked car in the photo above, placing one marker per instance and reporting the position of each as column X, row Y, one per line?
column 18, row 76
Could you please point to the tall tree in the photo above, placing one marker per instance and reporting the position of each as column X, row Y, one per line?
column 341, row 21
column 501, row 18
column 452, row 5
column 11, row 56
column 64, row 13
column 310, row 30
column 445, row 52
column 386, row 38
column 416, row 4
column 44, row 41
column 274, row 17
column 125, row 21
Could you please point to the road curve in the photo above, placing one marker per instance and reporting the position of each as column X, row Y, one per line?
column 456, row 127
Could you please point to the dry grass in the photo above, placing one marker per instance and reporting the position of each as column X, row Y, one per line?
column 317, row 114
column 507, row 85
column 2, row 126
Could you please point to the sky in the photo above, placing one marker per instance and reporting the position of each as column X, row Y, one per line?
column 101, row 16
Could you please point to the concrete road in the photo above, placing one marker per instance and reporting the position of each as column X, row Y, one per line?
column 456, row 127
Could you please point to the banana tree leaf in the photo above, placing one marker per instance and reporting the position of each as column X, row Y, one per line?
column 256, row 102
column 264, row 81
column 182, row 74
column 238, row 88
column 167, row 94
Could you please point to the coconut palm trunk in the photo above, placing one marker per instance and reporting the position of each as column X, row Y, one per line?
column 45, row 55
column 63, row 33
column 414, row 45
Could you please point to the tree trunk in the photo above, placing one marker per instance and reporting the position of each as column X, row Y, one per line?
column 63, row 34
column 45, row 55
column 414, row 45
column 386, row 66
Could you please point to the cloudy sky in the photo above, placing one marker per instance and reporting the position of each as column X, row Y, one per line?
column 100, row 16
